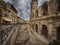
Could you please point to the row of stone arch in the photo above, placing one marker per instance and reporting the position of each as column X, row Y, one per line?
column 45, row 31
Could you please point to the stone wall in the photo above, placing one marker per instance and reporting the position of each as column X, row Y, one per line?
column 50, row 20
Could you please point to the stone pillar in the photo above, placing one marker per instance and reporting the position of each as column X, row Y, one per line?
column 40, row 28
column 51, row 32
column 34, row 27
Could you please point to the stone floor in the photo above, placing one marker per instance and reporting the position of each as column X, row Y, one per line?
column 26, row 37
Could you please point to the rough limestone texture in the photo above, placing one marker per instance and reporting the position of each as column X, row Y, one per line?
column 26, row 37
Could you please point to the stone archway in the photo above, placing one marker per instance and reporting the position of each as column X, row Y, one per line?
column 36, row 27
column 44, row 30
column 58, row 33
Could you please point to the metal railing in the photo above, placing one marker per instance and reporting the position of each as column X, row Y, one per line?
column 5, row 33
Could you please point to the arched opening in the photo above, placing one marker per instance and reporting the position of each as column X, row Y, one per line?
column 36, row 28
column 58, row 33
column 45, row 8
column 44, row 30
column 37, row 13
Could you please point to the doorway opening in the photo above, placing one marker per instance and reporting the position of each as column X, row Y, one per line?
column 58, row 33
column 36, row 28
column 44, row 30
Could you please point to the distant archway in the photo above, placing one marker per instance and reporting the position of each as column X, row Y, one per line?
column 58, row 33
column 44, row 30
column 36, row 28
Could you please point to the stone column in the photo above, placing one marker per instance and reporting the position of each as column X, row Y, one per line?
column 34, row 26
column 40, row 28
column 51, row 32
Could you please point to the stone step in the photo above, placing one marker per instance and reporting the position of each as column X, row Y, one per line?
column 21, row 37
column 30, row 38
